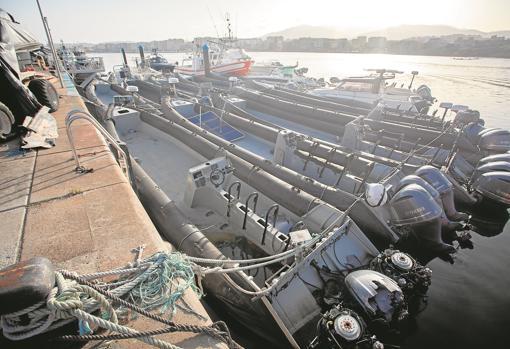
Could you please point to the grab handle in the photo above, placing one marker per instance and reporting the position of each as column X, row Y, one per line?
column 238, row 187
column 274, row 208
column 255, row 197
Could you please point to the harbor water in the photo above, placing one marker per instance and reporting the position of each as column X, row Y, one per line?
column 482, row 84
column 469, row 305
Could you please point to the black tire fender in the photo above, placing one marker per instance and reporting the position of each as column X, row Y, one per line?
column 6, row 120
column 45, row 93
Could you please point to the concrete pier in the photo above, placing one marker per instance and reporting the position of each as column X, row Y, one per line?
column 82, row 222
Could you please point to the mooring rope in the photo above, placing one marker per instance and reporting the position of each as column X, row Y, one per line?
column 156, row 282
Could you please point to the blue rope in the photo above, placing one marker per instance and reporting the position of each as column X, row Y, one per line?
column 166, row 284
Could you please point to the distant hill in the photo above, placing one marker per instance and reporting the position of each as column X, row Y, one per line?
column 505, row 33
column 414, row 31
column 310, row 31
column 392, row 33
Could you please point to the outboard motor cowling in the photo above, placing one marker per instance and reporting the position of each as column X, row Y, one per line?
column 378, row 295
column 499, row 166
column 495, row 141
column 467, row 116
column 472, row 132
column 494, row 185
column 414, row 179
column 435, row 178
column 493, row 158
column 425, row 92
column 440, row 182
column 414, row 208
column 413, row 204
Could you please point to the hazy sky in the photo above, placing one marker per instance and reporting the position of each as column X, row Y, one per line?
column 143, row 20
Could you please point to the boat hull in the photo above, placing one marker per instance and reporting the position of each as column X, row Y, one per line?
column 240, row 68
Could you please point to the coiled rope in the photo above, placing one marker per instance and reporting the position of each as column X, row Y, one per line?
column 156, row 282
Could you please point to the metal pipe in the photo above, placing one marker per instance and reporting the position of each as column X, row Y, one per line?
column 207, row 62
column 124, row 58
column 412, row 80
column 142, row 55
column 50, row 42
column 444, row 114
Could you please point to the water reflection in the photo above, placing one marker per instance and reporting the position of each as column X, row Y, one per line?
column 489, row 221
column 468, row 301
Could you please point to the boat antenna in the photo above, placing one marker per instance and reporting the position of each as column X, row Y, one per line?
column 236, row 32
column 212, row 20
column 229, row 27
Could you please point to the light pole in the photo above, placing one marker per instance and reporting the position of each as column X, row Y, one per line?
column 50, row 42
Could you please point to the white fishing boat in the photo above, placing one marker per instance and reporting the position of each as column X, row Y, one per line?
column 226, row 61
column 224, row 57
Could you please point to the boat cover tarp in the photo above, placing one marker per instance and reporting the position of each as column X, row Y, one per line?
column 14, row 33
column 13, row 93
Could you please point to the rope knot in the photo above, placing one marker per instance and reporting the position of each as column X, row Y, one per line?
column 62, row 305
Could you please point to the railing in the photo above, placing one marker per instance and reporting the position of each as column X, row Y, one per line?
column 87, row 64
column 123, row 159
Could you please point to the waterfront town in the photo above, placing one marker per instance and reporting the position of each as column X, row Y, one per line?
column 451, row 45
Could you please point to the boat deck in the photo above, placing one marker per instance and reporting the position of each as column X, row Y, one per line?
column 159, row 155
column 294, row 126
column 81, row 222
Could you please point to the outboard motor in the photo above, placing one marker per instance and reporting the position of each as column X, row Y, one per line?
column 489, row 140
column 492, row 179
column 502, row 166
column 464, row 117
column 381, row 299
column 425, row 92
column 494, row 186
column 493, row 158
column 342, row 328
column 413, row 278
column 447, row 225
column 370, row 297
column 440, row 182
column 495, row 140
column 414, row 208
column 414, row 179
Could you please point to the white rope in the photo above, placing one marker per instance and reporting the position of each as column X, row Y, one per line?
column 68, row 303
column 151, row 283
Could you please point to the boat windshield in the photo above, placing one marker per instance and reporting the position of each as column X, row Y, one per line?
column 158, row 59
column 358, row 86
column 237, row 53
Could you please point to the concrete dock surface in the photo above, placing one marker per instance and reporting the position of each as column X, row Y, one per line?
column 83, row 222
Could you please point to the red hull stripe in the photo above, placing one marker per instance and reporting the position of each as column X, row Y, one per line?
column 236, row 68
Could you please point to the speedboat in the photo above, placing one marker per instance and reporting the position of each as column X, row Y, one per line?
column 373, row 89
column 159, row 63
column 285, row 262
column 266, row 68
column 459, row 150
